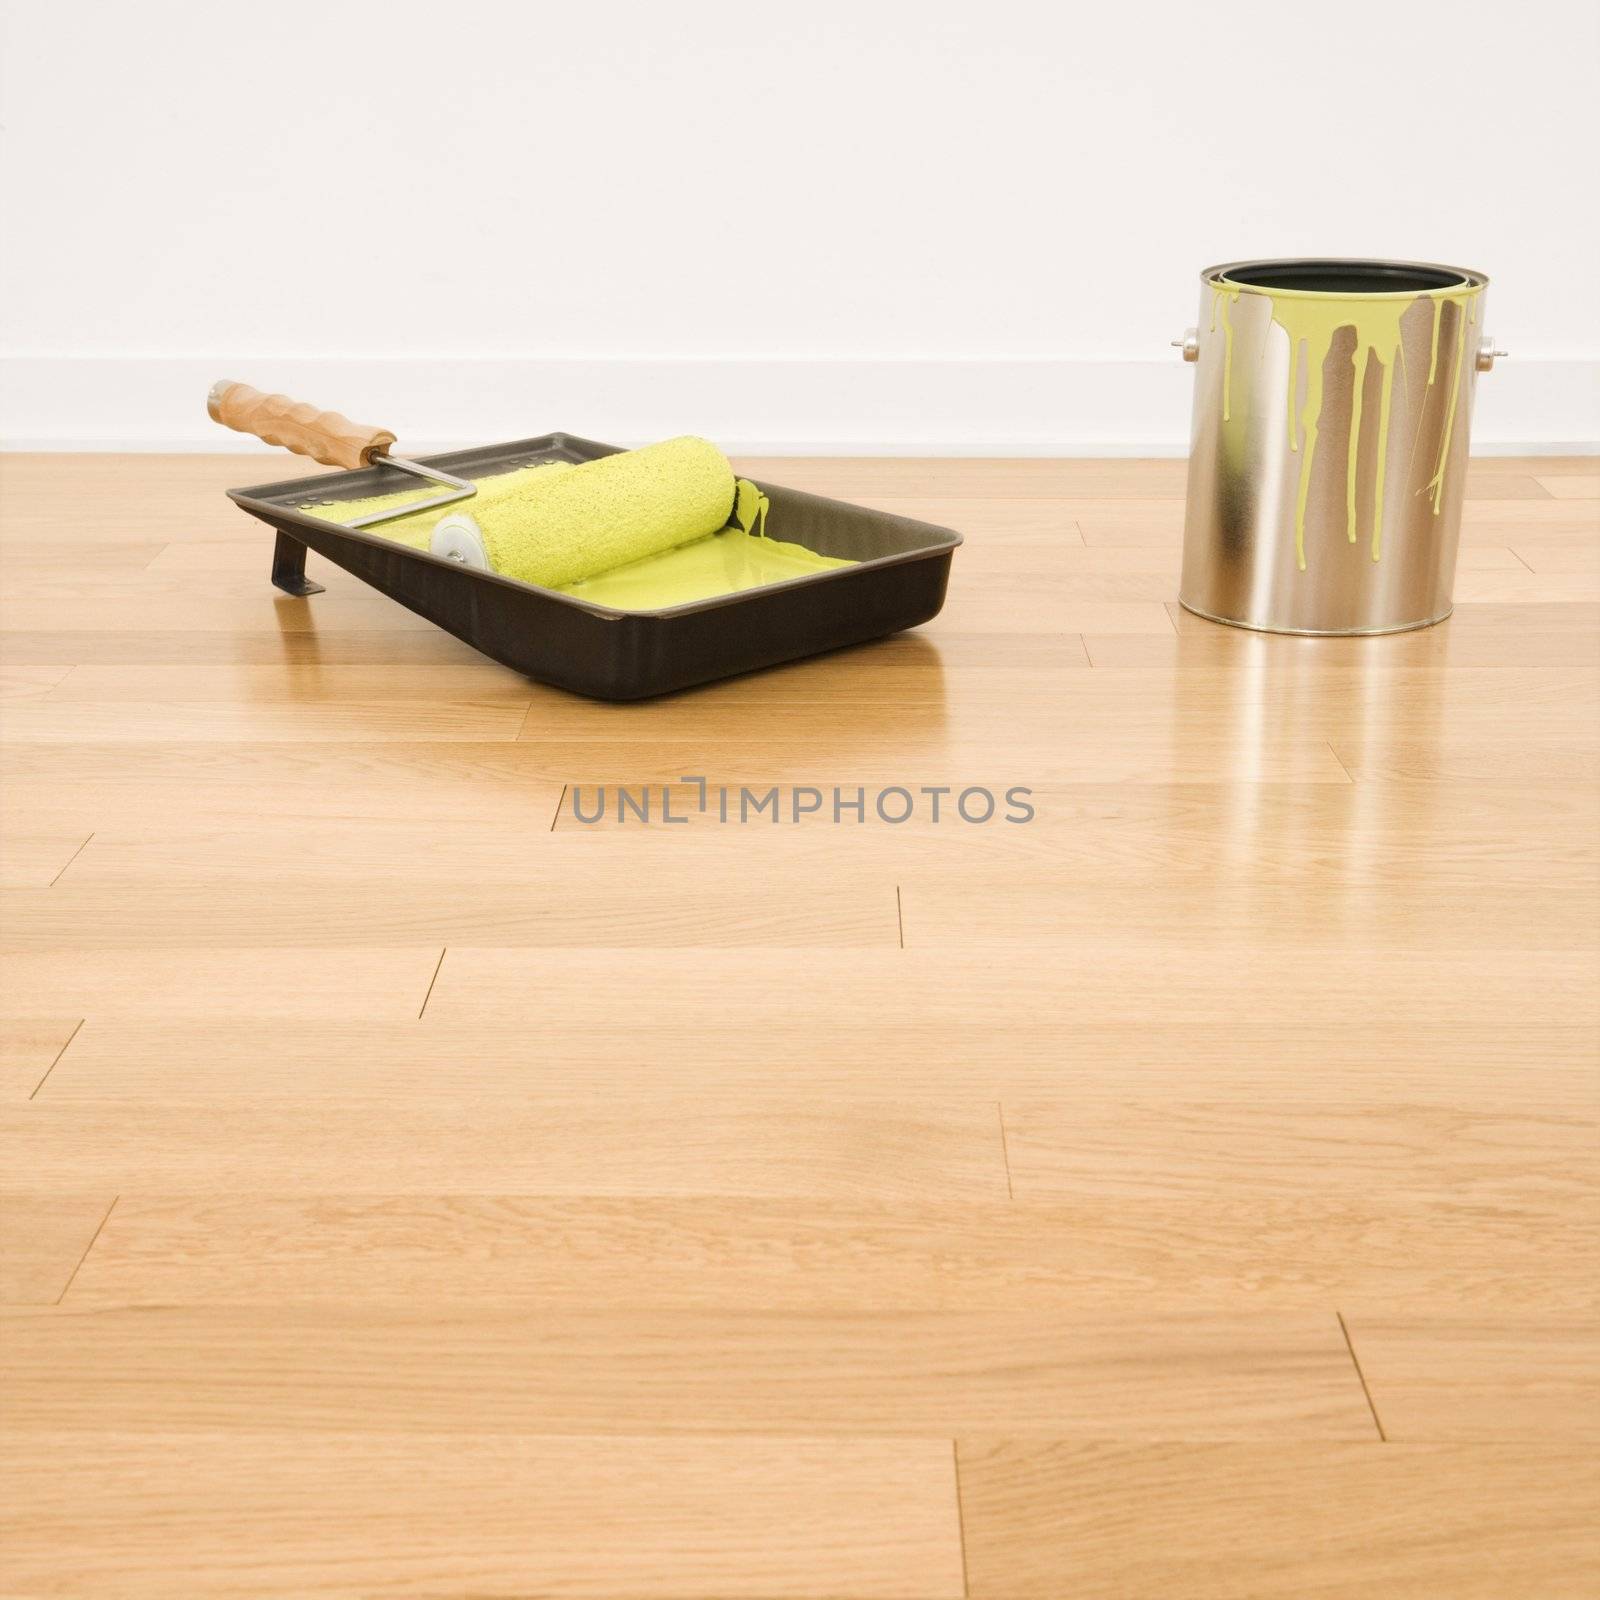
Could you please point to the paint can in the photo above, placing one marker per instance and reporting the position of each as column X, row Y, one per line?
column 1329, row 451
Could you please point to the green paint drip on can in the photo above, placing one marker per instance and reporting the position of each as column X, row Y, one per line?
column 1223, row 296
column 1311, row 319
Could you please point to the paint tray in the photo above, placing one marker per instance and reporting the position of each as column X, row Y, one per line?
column 899, row 582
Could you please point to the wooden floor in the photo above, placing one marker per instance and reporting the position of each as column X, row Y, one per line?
column 413, row 1191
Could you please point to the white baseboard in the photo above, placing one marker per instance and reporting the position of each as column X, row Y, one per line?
column 1041, row 407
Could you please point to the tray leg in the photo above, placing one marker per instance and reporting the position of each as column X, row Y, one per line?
column 289, row 567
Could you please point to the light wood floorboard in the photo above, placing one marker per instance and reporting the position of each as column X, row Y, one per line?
column 684, row 1253
column 1278, row 1521
column 1516, row 1065
column 1479, row 1376
column 502, row 1514
column 1139, row 1370
column 515, row 1141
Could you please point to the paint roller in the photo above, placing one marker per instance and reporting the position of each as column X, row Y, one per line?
column 550, row 524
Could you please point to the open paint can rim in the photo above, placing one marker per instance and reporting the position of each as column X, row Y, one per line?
column 1345, row 278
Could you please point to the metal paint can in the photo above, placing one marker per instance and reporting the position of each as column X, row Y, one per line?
column 1329, row 450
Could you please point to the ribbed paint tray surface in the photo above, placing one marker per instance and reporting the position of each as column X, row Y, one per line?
column 900, row 581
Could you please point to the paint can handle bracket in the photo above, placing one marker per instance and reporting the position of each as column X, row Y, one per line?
column 1189, row 344
column 1488, row 355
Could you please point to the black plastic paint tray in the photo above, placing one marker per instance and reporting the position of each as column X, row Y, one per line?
column 590, row 649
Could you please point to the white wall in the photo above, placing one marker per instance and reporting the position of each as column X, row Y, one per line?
column 922, row 225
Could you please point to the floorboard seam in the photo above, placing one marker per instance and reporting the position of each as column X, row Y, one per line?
column 961, row 1515
column 900, row 916
column 87, row 1248
column 70, row 859
column 1342, row 767
column 1355, row 1361
column 433, row 980
column 1005, row 1152
column 59, row 1053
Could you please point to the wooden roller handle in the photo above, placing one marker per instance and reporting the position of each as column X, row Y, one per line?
column 325, row 436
